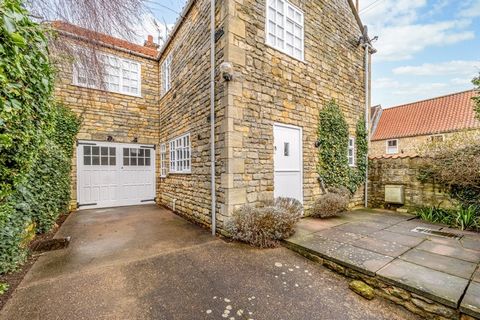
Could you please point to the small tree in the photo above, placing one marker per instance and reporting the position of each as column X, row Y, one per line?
column 476, row 82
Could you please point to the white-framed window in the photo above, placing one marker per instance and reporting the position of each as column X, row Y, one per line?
column 351, row 152
column 437, row 138
column 285, row 28
column 119, row 75
column 392, row 146
column 163, row 160
column 166, row 74
column 180, row 159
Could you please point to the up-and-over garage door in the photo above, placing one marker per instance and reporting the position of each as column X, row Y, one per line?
column 114, row 174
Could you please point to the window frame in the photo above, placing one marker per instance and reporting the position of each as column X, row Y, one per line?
column 387, row 147
column 353, row 148
column 433, row 136
column 177, row 155
column 296, row 9
column 121, row 60
column 166, row 74
column 163, row 160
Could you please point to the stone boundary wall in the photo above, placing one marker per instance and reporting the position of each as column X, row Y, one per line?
column 403, row 171
column 413, row 302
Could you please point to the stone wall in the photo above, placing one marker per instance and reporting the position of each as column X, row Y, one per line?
column 104, row 114
column 185, row 108
column 402, row 171
column 412, row 145
column 270, row 87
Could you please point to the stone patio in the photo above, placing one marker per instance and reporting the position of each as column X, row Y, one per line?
column 383, row 245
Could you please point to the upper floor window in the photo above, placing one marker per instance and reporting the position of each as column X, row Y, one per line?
column 437, row 138
column 392, row 146
column 284, row 28
column 119, row 75
column 351, row 151
column 167, row 74
column 180, row 159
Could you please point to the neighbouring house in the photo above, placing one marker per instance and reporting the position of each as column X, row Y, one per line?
column 145, row 134
column 404, row 129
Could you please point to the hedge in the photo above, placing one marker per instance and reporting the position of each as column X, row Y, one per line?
column 36, row 136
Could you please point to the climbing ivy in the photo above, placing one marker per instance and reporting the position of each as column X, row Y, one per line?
column 36, row 136
column 476, row 99
column 333, row 139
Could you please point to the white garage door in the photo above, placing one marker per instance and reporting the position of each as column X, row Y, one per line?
column 114, row 174
column 288, row 180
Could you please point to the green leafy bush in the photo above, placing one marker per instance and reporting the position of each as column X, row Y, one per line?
column 36, row 136
column 3, row 288
column 267, row 224
column 332, row 203
column 333, row 136
column 461, row 217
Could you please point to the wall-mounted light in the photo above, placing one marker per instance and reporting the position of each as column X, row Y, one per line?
column 226, row 69
column 109, row 138
column 135, row 140
column 317, row 144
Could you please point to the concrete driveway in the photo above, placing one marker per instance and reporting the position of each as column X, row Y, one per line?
column 145, row 262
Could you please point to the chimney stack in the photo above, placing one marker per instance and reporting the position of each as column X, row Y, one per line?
column 149, row 42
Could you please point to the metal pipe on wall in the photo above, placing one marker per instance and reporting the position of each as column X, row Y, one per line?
column 212, row 115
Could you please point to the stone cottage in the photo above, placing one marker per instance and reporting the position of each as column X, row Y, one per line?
column 406, row 128
column 146, row 132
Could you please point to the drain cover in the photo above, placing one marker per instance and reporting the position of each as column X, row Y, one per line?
column 437, row 233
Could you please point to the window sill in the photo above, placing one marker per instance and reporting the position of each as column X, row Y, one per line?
column 107, row 91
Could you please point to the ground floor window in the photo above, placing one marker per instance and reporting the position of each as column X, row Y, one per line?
column 163, row 160
column 180, row 160
column 351, row 151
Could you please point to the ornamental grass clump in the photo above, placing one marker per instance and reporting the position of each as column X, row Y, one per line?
column 332, row 203
column 264, row 226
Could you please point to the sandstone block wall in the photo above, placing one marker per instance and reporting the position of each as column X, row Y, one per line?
column 403, row 171
column 104, row 113
column 270, row 86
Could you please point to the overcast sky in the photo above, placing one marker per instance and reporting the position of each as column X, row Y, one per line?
column 426, row 48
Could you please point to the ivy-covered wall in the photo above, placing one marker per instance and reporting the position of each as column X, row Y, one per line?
column 36, row 136
column 333, row 137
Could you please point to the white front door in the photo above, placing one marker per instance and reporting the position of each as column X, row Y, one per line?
column 288, row 180
column 114, row 174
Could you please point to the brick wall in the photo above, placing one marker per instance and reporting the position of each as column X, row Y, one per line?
column 402, row 171
column 104, row 114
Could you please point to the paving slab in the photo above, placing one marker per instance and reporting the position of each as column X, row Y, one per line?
column 359, row 228
column 315, row 224
column 384, row 247
column 362, row 260
column 476, row 275
column 472, row 243
column 453, row 266
column 400, row 238
column 339, row 235
column 471, row 301
column 435, row 285
column 455, row 252
column 316, row 244
column 406, row 230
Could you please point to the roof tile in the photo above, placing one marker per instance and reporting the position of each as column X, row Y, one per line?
column 448, row 113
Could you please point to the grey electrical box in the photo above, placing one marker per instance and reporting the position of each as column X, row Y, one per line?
column 395, row 194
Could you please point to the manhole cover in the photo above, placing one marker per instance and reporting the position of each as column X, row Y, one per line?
column 437, row 233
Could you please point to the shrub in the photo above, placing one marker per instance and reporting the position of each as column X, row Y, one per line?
column 461, row 217
column 453, row 165
column 264, row 226
column 332, row 203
